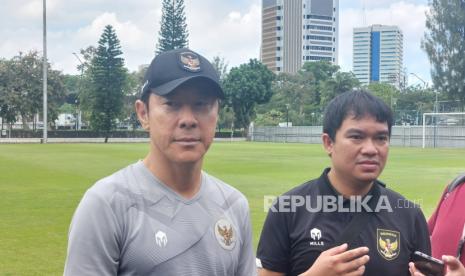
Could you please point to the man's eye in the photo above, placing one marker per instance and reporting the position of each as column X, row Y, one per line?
column 356, row 137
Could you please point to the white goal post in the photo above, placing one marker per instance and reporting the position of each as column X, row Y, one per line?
column 447, row 119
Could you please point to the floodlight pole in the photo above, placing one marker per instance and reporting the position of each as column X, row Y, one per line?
column 44, row 69
column 287, row 115
column 287, row 121
column 426, row 86
column 422, row 80
column 424, row 131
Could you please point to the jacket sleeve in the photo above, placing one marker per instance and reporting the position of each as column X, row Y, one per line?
column 247, row 257
column 422, row 239
column 93, row 239
column 273, row 251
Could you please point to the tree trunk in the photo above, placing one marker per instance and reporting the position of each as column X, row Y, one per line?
column 232, row 129
column 24, row 121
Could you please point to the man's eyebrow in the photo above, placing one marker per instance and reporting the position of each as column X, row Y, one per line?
column 384, row 132
column 357, row 130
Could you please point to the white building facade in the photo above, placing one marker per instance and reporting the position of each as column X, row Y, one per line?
column 297, row 31
column 378, row 55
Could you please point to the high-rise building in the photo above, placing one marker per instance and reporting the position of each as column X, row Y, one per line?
column 296, row 31
column 378, row 55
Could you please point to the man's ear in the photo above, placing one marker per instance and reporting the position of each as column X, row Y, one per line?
column 327, row 143
column 142, row 114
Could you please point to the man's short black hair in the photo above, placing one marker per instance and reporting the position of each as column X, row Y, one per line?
column 358, row 104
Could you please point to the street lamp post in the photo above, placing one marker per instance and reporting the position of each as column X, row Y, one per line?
column 435, row 108
column 44, row 68
column 426, row 86
column 287, row 115
column 287, row 121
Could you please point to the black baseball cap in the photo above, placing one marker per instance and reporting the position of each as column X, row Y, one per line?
column 170, row 69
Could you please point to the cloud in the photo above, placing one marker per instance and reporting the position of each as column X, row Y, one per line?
column 379, row 4
column 130, row 35
column 231, row 34
column 74, row 25
column 229, row 29
column 409, row 17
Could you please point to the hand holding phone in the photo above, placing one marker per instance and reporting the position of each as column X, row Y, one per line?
column 428, row 265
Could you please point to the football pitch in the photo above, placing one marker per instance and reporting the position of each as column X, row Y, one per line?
column 41, row 185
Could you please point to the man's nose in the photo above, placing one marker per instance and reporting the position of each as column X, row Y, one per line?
column 369, row 147
column 187, row 118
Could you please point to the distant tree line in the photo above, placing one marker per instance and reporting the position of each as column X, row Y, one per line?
column 301, row 98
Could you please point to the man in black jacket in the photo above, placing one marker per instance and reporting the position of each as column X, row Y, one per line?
column 345, row 222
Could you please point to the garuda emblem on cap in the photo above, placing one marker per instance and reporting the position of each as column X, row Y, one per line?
column 225, row 234
column 190, row 61
column 388, row 243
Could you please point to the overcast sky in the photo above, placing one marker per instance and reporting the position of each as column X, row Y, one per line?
column 229, row 29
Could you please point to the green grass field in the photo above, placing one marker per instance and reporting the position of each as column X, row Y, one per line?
column 41, row 185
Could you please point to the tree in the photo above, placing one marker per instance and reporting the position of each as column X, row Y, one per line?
column 412, row 103
column 320, row 71
column 226, row 116
column 245, row 87
column 108, row 77
column 306, row 93
column 173, row 31
column 221, row 67
column 444, row 43
column 292, row 95
column 84, row 95
column 387, row 92
column 132, row 93
column 340, row 83
column 27, row 91
column 21, row 89
column 270, row 118
column 8, row 112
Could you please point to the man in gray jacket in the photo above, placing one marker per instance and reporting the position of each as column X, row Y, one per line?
column 164, row 215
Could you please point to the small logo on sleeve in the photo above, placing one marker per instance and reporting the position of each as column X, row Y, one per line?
column 161, row 239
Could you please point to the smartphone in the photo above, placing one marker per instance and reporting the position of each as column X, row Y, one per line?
column 428, row 265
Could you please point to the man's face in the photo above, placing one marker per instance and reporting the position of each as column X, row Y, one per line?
column 182, row 124
column 359, row 151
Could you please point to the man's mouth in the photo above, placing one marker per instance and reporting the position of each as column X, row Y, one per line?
column 187, row 141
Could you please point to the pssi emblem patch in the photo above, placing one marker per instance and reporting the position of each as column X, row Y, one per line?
column 225, row 234
column 388, row 243
column 189, row 61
